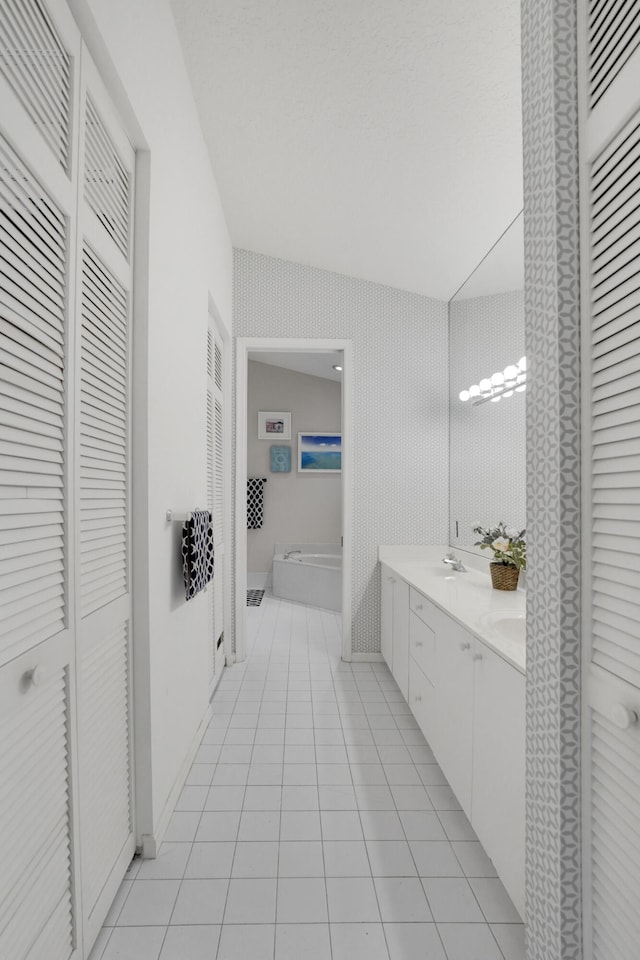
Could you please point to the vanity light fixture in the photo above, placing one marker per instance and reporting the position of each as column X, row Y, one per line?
column 513, row 379
column 336, row 366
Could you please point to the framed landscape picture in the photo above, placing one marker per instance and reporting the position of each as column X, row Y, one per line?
column 319, row 452
column 274, row 426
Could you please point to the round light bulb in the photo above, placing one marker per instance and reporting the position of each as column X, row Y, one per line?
column 508, row 393
column 522, row 363
column 497, row 379
column 464, row 395
column 485, row 385
column 510, row 372
column 474, row 390
column 495, row 399
column 521, row 387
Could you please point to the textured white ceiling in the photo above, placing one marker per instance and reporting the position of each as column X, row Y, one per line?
column 376, row 138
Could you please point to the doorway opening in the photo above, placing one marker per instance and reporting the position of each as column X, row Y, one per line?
column 294, row 456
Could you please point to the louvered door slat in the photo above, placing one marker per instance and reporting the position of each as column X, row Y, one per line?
column 103, row 461
column 107, row 186
column 32, row 412
column 106, row 774
column 34, row 60
column 35, row 882
column 614, row 34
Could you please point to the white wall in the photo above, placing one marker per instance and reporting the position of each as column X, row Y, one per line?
column 188, row 258
column 401, row 420
column 298, row 507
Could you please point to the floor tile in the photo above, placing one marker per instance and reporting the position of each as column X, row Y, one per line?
column 334, row 773
column 210, row 861
column 302, row 941
column 414, row 941
column 300, row 798
column 391, row 858
column 192, row 798
column 381, row 825
column 301, row 900
column 299, row 774
column 435, row 858
column 149, row 903
column 182, row 826
column 358, row 941
column 494, row 900
column 352, row 900
column 259, row 825
column 255, row 858
column 200, row 901
column 263, row 798
column 267, row 753
column 250, row 942
column 469, row 941
column 443, row 798
column 170, row 864
column 251, row 901
column 421, row 825
column 411, row 797
column 372, row 796
column 336, row 797
column 230, row 774
column 300, row 825
column 451, row 900
column 225, row 798
column 473, row 859
column 218, row 826
column 456, row 825
column 346, row 858
column 301, row 858
column 402, row 900
column 341, row 825
column 265, row 774
column 134, row 943
column 402, row 774
column 368, row 773
column 511, row 939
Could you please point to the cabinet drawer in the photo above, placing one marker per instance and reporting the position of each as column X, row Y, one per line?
column 423, row 608
column 422, row 646
column 422, row 700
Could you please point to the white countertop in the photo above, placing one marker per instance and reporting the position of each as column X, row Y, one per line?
column 467, row 597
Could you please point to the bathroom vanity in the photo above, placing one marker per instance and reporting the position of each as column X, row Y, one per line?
column 456, row 648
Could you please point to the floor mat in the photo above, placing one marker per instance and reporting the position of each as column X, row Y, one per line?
column 254, row 597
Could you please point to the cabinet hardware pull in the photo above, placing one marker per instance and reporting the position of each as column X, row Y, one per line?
column 417, row 697
column 477, row 656
column 418, row 606
column 465, row 646
column 622, row 716
column 35, row 677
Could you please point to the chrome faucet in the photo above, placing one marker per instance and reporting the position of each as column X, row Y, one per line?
column 454, row 563
column 291, row 553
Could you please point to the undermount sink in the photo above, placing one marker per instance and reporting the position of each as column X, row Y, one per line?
column 512, row 627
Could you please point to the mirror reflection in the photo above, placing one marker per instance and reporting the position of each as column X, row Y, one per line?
column 487, row 426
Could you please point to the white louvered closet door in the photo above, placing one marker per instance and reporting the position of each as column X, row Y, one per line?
column 102, row 461
column 39, row 51
column 610, row 163
column 215, row 493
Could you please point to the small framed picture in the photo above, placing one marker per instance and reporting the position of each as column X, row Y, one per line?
column 274, row 426
column 280, row 459
column 319, row 452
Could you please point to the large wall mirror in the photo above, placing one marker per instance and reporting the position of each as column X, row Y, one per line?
column 487, row 436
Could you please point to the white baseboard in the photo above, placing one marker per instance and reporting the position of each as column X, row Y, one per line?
column 366, row 658
column 151, row 842
column 258, row 581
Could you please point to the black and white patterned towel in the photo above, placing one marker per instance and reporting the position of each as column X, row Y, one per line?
column 197, row 552
column 255, row 502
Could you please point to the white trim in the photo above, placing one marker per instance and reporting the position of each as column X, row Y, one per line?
column 150, row 842
column 244, row 345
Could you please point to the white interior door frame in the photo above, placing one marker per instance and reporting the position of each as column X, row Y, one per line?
column 244, row 345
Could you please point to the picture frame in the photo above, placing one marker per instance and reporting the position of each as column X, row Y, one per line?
column 319, row 452
column 274, row 425
column 280, row 458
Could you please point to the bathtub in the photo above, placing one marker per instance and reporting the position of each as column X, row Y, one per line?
column 313, row 576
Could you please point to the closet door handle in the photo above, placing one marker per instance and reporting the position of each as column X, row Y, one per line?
column 34, row 677
column 465, row 646
column 623, row 717
column 477, row 656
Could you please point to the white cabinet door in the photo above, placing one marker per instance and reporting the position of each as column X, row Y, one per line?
column 498, row 805
column 454, row 697
column 387, row 580
column 401, row 636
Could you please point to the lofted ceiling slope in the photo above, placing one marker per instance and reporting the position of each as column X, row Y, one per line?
column 376, row 138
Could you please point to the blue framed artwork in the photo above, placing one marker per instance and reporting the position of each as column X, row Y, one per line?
column 319, row 452
column 280, row 459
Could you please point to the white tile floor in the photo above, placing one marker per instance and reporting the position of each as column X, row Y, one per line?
column 315, row 824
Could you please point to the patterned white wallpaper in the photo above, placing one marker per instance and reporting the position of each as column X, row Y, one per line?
column 400, row 402
column 552, row 308
column 488, row 442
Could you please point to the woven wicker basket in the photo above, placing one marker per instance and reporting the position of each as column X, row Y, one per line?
column 504, row 576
